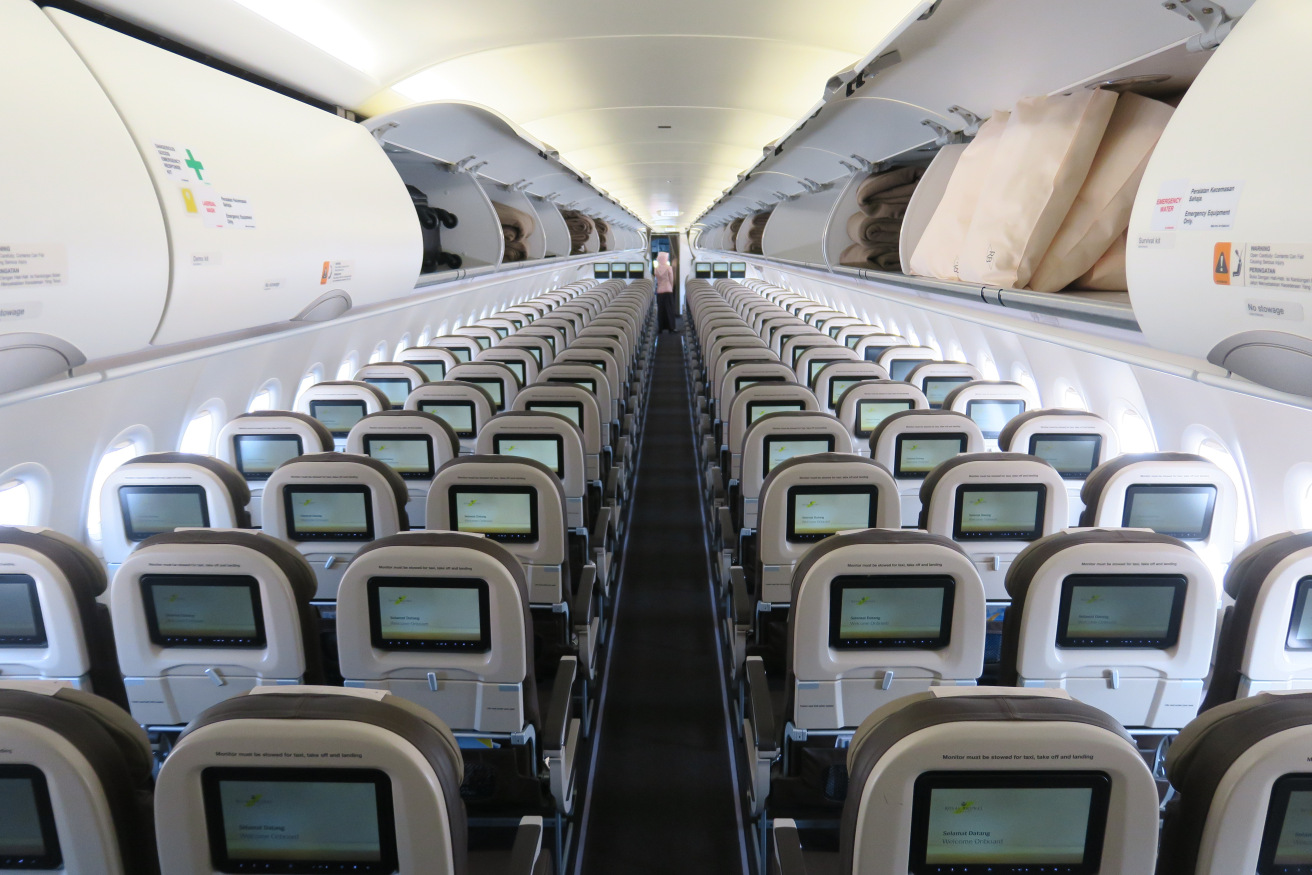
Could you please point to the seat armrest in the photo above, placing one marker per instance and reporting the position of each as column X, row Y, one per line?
column 760, row 708
column 728, row 534
column 555, row 727
column 527, row 850
column 601, row 529
column 585, row 616
column 612, row 491
column 715, row 485
column 786, row 848
column 744, row 607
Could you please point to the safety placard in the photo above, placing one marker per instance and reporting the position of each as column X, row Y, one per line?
column 335, row 272
column 1277, row 266
column 1189, row 206
column 181, row 164
column 27, row 265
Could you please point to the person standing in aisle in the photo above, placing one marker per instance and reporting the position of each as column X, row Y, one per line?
column 667, row 302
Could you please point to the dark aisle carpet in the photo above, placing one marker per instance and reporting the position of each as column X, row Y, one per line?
column 662, row 798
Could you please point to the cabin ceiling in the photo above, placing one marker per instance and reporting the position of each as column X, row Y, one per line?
column 595, row 79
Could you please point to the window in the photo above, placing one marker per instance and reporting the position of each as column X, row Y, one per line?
column 1020, row 375
column 311, row 378
column 401, row 346
column 1135, row 432
column 116, row 455
column 379, row 354
column 266, row 398
column 346, row 370
column 16, row 503
column 987, row 367
column 198, row 436
column 1071, row 399
column 1219, row 455
column 425, row 336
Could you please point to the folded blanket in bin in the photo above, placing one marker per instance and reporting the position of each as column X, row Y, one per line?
column 516, row 225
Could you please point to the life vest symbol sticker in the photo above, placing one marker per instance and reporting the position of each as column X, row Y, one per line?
column 1222, row 259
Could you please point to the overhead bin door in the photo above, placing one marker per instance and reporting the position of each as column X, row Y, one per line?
column 83, row 254
column 275, row 209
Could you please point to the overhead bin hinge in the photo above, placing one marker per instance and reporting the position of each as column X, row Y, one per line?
column 875, row 67
column 1214, row 21
column 859, row 164
column 468, row 165
column 930, row 11
column 380, row 132
column 945, row 137
column 972, row 121
column 521, row 185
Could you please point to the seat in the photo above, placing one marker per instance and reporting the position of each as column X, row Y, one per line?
column 1177, row 494
column 354, row 780
column 484, row 335
column 463, row 406
column 1122, row 620
column 75, row 779
column 160, row 492
column 1265, row 643
column 864, row 405
column 328, row 505
column 872, row 346
column 1056, row 785
column 993, row 504
column 463, row 347
column 442, row 620
column 51, row 625
column 742, row 407
column 937, row 379
column 912, row 443
column 900, row 361
column 992, row 404
column 257, row 443
column 340, row 404
column 412, row 443
column 433, row 361
column 396, row 379
column 494, row 378
column 1072, row 441
column 812, row 360
column 538, row 347
column 580, row 407
column 522, row 362
column 774, row 438
column 836, row 378
column 203, row 616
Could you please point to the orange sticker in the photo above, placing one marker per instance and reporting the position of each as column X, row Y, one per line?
column 1222, row 258
column 323, row 278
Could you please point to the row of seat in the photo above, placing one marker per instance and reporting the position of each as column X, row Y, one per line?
column 855, row 585
column 474, row 642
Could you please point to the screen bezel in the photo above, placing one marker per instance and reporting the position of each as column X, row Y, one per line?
column 1302, row 589
column 576, row 406
column 521, row 436
column 124, row 491
column 898, row 364
column 40, row 639
column 148, row 582
column 945, row 582
column 790, row 529
column 815, row 366
column 836, row 397
column 898, row 472
column 1068, row 438
column 584, row 383
column 239, row 439
column 1033, row 534
column 1277, row 808
column 861, row 402
column 992, row 435
column 382, row 382
column 405, row 475
column 212, row 776
column 954, row 381
column 453, row 498
column 771, row 438
column 345, row 402
column 292, row 534
column 1177, row 582
column 480, row 382
column 752, row 405
column 1173, row 489
column 754, row 381
column 423, row 367
column 53, row 857
column 517, row 367
column 427, row 407
column 927, row 782
column 482, row 645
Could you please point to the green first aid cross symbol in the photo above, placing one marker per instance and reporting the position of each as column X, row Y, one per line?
column 195, row 165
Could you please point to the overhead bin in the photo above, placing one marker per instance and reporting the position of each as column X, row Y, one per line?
column 274, row 208
column 84, row 266
column 1219, row 259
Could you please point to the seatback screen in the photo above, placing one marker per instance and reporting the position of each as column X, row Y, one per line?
column 891, row 612
column 782, row 448
column 1009, row 822
column 815, row 512
column 872, row 354
column 1287, row 837
column 815, row 366
column 338, row 416
column 917, row 455
column 869, row 414
column 1073, row 455
column 1184, row 512
column 1001, row 512
column 1141, row 611
column 1300, row 618
column 501, row 331
column 571, row 410
column 429, row 613
column 151, row 510
column 992, row 415
column 937, row 388
column 900, row 369
column 299, row 820
column 397, row 389
column 258, row 455
column 503, row 513
column 462, row 353
column 516, row 366
column 492, row 386
column 741, row 383
column 457, row 414
column 407, row 455
column 203, row 610
column 589, row 384
column 839, row 385
column 757, row 409
column 329, row 513
column 21, row 624
column 434, row 371
column 28, row 838
column 547, row 449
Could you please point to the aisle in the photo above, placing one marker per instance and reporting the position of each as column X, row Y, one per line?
column 663, row 797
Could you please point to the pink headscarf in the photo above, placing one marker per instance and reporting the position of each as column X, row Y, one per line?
column 662, row 258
